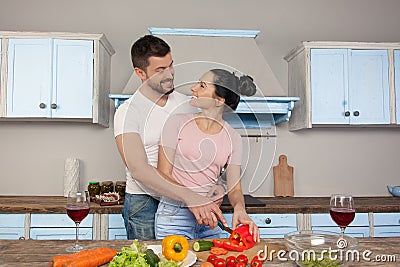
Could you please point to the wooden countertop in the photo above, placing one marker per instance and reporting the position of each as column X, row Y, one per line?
column 56, row 204
column 34, row 253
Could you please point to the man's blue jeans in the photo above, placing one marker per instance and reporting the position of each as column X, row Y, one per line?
column 138, row 213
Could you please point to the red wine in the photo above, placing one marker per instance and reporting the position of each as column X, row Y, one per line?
column 77, row 214
column 342, row 216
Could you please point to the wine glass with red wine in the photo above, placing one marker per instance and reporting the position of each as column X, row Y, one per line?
column 77, row 209
column 342, row 210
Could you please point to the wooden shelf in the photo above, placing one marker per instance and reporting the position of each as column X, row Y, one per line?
column 284, row 205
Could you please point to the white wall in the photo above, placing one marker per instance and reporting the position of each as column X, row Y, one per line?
column 360, row 161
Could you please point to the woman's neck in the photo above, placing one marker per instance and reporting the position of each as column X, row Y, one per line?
column 210, row 121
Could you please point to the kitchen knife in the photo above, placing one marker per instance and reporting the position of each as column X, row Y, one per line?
column 225, row 228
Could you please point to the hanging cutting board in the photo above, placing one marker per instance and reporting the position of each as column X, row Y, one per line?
column 283, row 178
column 250, row 253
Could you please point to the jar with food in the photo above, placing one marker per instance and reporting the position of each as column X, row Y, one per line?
column 120, row 188
column 107, row 187
column 94, row 188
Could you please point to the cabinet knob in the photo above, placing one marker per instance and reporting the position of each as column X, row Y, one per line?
column 356, row 113
column 53, row 106
column 268, row 220
column 347, row 113
column 42, row 105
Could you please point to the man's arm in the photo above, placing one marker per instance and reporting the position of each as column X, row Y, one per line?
column 132, row 152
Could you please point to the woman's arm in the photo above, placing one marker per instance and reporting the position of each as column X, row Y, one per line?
column 236, row 198
column 166, row 158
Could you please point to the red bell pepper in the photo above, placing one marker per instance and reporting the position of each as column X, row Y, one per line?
column 242, row 237
column 229, row 246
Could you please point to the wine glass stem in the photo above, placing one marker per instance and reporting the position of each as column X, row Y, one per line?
column 76, row 234
column 342, row 231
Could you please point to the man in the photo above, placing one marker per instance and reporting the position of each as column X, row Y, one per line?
column 138, row 125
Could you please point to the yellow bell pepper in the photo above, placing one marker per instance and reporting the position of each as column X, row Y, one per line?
column 175, row 247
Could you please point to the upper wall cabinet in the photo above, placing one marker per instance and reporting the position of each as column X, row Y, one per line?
column 342, row 83
column 61, row 76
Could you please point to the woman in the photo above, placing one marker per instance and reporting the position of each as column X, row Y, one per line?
column 195, row 148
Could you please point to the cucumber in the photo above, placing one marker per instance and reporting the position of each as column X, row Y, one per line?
column 202, row 245
column 151, row 258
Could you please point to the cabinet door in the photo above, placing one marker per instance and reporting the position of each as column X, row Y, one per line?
column 329, row 86
column 72, row 79
column 29, row 82
column 369, row 87
column 386, row 224
column 397, row 83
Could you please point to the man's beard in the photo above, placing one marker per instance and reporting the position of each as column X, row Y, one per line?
column 159, row 89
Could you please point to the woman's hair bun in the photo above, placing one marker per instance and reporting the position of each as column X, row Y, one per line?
column 246, row 86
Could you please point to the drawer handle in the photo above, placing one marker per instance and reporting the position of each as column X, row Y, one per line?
column 42, row 105
column 53, row 106
column 268, row 220
column 347, row 114
column 356, row 113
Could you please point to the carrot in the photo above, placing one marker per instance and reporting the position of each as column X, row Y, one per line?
column 86, row 258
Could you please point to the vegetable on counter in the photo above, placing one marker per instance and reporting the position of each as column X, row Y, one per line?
column 175, row 247
column 151, row 258
column 241, row 236
column 239, row 240
column 86, row 258
column 138, row 254
column 202, row 245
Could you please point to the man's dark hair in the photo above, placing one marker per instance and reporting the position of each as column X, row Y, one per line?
column 148, row 46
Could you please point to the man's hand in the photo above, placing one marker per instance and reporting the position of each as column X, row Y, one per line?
column 208, row 215
column 216, row 193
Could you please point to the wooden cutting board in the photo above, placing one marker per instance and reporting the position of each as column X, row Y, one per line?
column 250, row 253
column 283, row 178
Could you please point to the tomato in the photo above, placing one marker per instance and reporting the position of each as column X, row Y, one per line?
column 218, row 251
column 220, row 263
column 212, row 258
column 206, row 264
column 231, row 261
column 240, row 264
column 256, row 262
column 242, row 258
column 218, row 243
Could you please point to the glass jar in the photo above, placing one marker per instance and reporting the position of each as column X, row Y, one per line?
column 120, row 188
column 94, row 188
column 107, row 187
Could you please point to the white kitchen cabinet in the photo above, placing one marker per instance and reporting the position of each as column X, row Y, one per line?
column 386, row 224
column 57, row 76
column 116, row 227
column 12, row 226
column 270, row 225
column 58, row 227
column 397, row 83
column 358, row 228
column 341, row 83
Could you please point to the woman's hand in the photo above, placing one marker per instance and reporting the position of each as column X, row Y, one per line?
column 241, row 217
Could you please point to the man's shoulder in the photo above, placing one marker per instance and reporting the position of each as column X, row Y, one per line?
column 175, row 95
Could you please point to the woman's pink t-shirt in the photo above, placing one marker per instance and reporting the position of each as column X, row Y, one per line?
column 200, row 157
